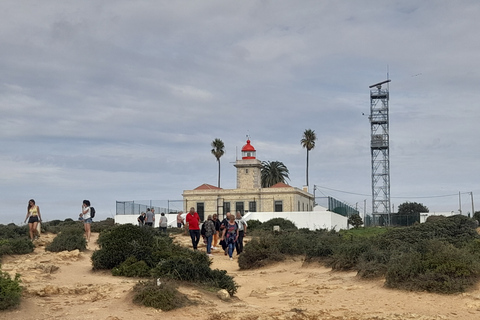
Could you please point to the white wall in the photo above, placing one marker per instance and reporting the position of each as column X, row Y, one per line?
column 312, row 220
column 132, row 218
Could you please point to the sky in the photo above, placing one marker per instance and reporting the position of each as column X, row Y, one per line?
column 120, row 100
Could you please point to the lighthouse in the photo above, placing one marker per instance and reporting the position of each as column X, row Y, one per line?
column 249, row 169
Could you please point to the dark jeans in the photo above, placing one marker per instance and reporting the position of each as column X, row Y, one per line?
column 195, row 235
column 209, row 243
column 239, row 243
column 163, row 229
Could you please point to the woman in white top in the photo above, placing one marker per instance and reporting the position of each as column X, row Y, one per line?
column 87, row 219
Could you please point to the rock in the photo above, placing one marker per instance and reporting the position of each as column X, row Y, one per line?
column 223, row 295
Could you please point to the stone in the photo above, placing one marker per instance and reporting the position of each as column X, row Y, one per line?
column 223, row 295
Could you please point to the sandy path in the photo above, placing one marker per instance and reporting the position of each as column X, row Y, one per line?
column 289, row 290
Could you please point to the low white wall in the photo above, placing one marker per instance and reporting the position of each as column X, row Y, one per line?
column 312, row 220
column 132, row 218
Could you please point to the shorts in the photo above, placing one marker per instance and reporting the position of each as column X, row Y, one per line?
column 33, row 219
column 89, row 220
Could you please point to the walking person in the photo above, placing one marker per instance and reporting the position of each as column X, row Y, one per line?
column 141, row 219
column 179, row 219
column 230, row 235
column 87, row 219
column 217, row 231
column 163, row 223
column 223, row 225
column 209, row 232
column 193, row 221
column 150, row 218
column 34, row 217
column 242, row 231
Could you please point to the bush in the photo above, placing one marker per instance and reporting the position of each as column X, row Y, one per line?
column 121, row 242
column 253, row 225
column 260, row 252
column 132, row 268
column 56, row 226
column 187, row 269
column 11, row 231
column 283, row 223
column 439, row 267
column 164, row 296
column 16, row 246
column 70, row 238
column 10, row 291
column 99, row 226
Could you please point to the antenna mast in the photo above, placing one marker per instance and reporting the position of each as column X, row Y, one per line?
column 380, row 152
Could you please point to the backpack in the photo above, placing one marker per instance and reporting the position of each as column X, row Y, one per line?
column 92, row 212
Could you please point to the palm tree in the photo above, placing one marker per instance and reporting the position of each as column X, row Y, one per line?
column 308, row 142
column 273, row 172
column 218, row 151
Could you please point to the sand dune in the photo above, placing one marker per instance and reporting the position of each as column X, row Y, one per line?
column 63, row 286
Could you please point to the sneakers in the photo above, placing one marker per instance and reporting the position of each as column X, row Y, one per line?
column 231, row 258
column 209, row 254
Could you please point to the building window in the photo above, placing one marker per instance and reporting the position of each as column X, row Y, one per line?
column 252, row 206
column 246, row 171
column 226, row 207
column 201, row 210
column 239, row 207
column 303, row 206
column 298, row 206
column 278, row 206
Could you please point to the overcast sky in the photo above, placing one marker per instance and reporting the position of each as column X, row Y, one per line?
column 120, row 100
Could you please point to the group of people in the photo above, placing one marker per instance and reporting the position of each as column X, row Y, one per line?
column 34, row 218
column 148, row 219
column 231, row 231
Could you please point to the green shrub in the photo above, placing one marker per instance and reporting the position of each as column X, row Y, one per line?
column 11, row 231
column 439, row 267
column 253, row 225
column 56, row 226
column 16, row 246
column 164, row 296
column 10, row 291
column 70, row 238
column 99, row 226
column 187, row 269
column 283, row 223
column 347, row 254
column 260, row 252
column 121, row 242
column 132, row 268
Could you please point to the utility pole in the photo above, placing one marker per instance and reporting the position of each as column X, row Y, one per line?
column 473, row 209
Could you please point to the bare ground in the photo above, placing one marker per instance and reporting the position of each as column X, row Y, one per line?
column 63, row 286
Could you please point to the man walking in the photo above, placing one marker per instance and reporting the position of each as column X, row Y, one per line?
column 193, row 220
column 242, row 231
column 150, row 218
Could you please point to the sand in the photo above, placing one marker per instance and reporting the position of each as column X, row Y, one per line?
column 63, row 286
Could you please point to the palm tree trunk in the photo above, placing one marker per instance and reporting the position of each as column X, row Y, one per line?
column 219, row 173
column 307, row 168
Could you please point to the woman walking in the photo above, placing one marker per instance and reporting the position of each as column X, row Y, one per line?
column 230, row 235
column 87, row 219
column 34, row 217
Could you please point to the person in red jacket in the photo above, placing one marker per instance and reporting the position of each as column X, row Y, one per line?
column 193, row 220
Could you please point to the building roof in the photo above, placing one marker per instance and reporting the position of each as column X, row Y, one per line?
column 281, row 185
column 206, row 186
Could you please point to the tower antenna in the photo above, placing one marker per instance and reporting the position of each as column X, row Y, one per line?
column 380, row 153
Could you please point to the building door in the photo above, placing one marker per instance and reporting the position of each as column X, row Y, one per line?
column 201, row 210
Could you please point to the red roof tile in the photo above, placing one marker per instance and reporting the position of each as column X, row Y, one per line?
column 281, row 185
column 206, row 186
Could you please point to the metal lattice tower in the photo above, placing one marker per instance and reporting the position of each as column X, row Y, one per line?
column 379, row 147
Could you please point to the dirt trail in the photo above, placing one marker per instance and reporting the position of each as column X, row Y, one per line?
column 63, row 286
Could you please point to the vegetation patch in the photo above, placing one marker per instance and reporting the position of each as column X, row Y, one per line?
column 16, row 246
column 441, row 255
column 164, row 295
column 10, row 291
column 70, row 238
column 132, row 268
